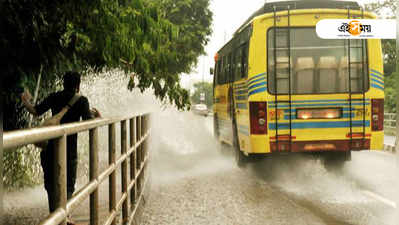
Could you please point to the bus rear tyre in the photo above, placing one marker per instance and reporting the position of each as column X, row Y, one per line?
column 335, row 161
column 215, row 127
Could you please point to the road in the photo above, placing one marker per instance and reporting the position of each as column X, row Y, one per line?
column 193, row 184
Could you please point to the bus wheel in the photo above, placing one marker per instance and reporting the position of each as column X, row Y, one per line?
column 224, row 148
column 241, row 159
column 215, row 127
column 335, row 161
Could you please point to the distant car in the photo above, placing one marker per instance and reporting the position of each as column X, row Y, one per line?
column 200, row 109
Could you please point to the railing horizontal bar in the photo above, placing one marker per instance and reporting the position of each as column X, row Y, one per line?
column 121, row 200
column 89, row 188
column 137, row 174
column 111, row 217
column 114, row 213
column 136, row 206
column 133, row 149
column 18, row 138
column 55, row 218
column 118, row 207
column 14, row 139
column 82, row 195
column 135, row 115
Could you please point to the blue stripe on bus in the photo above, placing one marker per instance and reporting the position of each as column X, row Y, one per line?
column 327, row 124
column 378, row 82
column 243, row 129
column 254, row 81
column 257, row 85
column 241, row 97
column 263, row 89
column 241, row 89
column 310, row 105
column 256, row 76
column 241, row 92
column 377, row 72
column 241, row 105
column 377, row 86
column 244, row 132
column 377, row 77
column 244, row 85
column 323, row 100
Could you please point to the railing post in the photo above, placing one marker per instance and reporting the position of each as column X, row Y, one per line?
column 111, row 160
column 144, row 148
column 125, row 209
column 60, row 170
column 138, row 151
column 93, row 141
column 147, row 127
column 133, row 160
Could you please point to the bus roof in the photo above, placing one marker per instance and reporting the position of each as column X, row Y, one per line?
column 268, row 7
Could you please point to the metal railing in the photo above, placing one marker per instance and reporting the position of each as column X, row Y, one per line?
column 390, row 121
column 136, row 155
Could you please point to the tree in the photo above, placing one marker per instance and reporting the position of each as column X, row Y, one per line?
column 207, row 89
column 46, row 38
column 387, row 9
column 138, row 36
column 194, row 20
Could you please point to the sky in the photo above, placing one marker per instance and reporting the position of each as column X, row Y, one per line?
column 228, row 15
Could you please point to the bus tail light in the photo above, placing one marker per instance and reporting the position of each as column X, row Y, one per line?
column 377, row 114
column 258, row 117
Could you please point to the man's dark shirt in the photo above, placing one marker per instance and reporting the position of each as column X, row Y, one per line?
column 80, row 109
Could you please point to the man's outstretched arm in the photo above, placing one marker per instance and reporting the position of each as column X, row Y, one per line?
column 37, row 110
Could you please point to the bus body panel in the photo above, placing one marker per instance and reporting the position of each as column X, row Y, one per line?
column 221, row 108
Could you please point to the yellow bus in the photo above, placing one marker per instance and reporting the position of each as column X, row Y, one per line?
column 279, row 88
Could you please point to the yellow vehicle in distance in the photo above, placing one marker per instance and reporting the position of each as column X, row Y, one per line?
column 279, row 88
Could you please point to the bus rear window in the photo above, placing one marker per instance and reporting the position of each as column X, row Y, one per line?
column 318, row 66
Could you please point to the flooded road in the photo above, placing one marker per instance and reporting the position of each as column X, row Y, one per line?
column 192, row 183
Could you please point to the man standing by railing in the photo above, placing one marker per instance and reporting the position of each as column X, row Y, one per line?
column 56, row 102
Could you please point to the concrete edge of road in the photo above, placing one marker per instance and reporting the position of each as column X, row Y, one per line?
column 390, row 148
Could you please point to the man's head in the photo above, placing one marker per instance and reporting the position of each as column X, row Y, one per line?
column 72, row 81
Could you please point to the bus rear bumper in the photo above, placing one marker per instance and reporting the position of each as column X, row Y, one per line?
column 318, row 146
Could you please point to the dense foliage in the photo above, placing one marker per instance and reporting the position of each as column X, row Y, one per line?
column 152, row 41
column 386, row 9
column 207, row 89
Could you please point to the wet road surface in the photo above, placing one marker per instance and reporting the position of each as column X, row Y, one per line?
column 192, row 183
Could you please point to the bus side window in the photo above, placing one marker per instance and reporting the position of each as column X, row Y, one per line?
column 237, row 63
column 225, row 71
column 222, row 70
column 230, row 76
column 218, row 69
column 244, row 61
